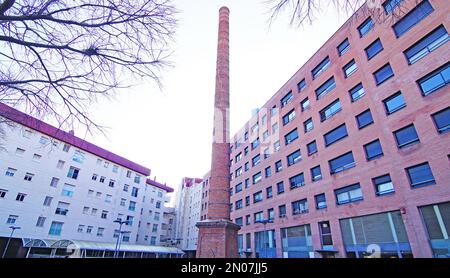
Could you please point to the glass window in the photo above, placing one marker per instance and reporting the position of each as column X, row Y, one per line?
column 341, row 163
column 256, row 159
column 301, row 85
column 426, row 45
column 316, row 173
column 73, row 173
column 357, row 92
column 348, row 194
column 406, row 136
column 343, row 47
column 286, row 99
column 420, row 175
column 300, row 206
column 238, row 204
column 255, row 143
column 442, row 120
column 278, row 166
column 394, row 103
column 312, row 147
column 257, row 197
column 308, row 125
column 321, row 67
column 280, row 187
column 321, row 201
column 294, row 157
column 325, row 88
column 383, row 74
column 365, row 27
column 290, row 137
column 390, row 5
column 257, row 177
column 350, row 68
column 374, row 48
column 435, row 80
column 335, row 135
column 330, row 110
column 305, row 104
column 364, row 119
column 383, row 185
column 55, row 228
column 289, row 117
column 412, row 18
column 373, row 150
column 269, row 192
column 297, row 181
column 282, row 211
column 268, row 171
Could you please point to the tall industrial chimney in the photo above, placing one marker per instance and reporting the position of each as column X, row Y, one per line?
column 217, row 234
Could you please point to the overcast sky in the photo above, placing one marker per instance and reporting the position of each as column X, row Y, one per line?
column 170, row 131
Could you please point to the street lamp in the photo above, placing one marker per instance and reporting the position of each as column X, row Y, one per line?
column 13, row 228
column 120, row 241
column 120, row 222
column 264, row 222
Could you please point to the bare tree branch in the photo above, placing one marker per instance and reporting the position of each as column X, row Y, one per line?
column 57, row 57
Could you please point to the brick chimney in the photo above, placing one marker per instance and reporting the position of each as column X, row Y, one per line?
column 217, row 234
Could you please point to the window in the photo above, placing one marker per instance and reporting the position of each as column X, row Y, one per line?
column 316, row 173
column 78, row 156
column 257, row 178
column 291, row 137
column 268, row 171
column 321, row 201
column 20, row 197
column 282, row 211
column 246, row 166
column 132, row 206
column 364, row 119
column 255, row 143
column 134, row 192
column 325, row 233
column 10, row 172
column 238, row 172
column 365, row 27
column 12, row 219
column 80, row 228
column 28, row 176
column 390, row 5
column 54, row 182
column 66, row 148
column 357, row 92
column 40, row 221
column 335, row 135
column 420, row 175
column 94, row 211
column 137, row 179
column 343, row 47
column 341, row 163
column 130, row 220
column 299, row 207
column 62, row 208
column 263, row 122
column 239, row 221
column 55, row 228
column 394, row 103
column 286, row 99
column 278, row 166
column 273, row 112
column 412, row 18
column 122, row 202
column 247, row 201
column 238, row 157
column 350, row 68
column 73, row 173
column 67, row 190
column 330, row 110
column 301, row 85
column 258, row 216
column 100, row 231
column 373, row 49
column 89, row 229
column 280, row 187
column 245, row 150
column 111, row 183
column 247, row 184
column 383, row 74
column 348, row 194
column 20, row 151
column 125, row 187
column 325, row 88
column 238, row 187
column 321, row 67
column 102, row 179
column 47, row 201
column 426, row 45
column 269, row 192
column 383, row 185
column 312, row 147
column 270, row 214
column 442, row 120
column 289, row 117
column 274, row 128
column 256, row 160
column 305, row 104
column 37, row 157
column 60, row 164
column 158, row 204
column 435, row 80
column 308, row 125
column 254, row 129
column 294, row 157
column 257, row 197
column 27, row 133
column 115, row 169
column 3, row 193
column 373, row 150
column 43, row 140
column 406, row 136
column 276, row 146
column 297, row 181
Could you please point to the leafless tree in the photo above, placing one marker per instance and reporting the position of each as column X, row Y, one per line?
column 59, row 56
column 305, row 11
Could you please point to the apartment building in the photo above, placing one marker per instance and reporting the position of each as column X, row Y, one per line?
column 188, row 207
column 350, row 157
column 57, row 187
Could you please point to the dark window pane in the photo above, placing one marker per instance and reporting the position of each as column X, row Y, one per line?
column 442, row 120
column 316, row 173
column 406, row 136
column 365, row 27
column 412, row 18
column 357, row 92
column 335, row 135
column 350, row 68
column 373, row 49
column 302, row 85
column 341, row 163
column 383, row 74
column 420, row 175
column 394, row 103
column 364, row 119
column 286, row 99
column 321, row 67
column 294, row 157
column 312, row 147
column 297, row 181
column 390, row 5
column 427, row 44
column 291, row 136
column 348, row 194
column 325, row 88
column 383, row 185
column 373, row 150
column 330, row 110
column 321, row 201
column 343, row 47
column 435, row 80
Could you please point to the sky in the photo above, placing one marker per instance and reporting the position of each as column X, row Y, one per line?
column 170, row 130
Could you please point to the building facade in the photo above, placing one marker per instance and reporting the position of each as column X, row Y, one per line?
column 56, row 186
column 351, row 157
column 188, row 203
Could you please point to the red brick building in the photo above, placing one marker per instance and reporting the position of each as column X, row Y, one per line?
column 351, row 157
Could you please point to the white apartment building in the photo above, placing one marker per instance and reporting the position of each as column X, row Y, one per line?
column 188, row 207
column 56, row 186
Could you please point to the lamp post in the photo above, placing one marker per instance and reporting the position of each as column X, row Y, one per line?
column 13, row 228
column 120, row 241
column 264, row 222
column 120, row 222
